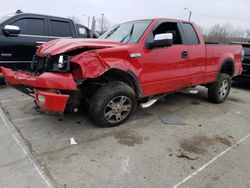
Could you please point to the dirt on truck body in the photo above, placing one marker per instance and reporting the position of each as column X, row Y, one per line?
column 139, row 60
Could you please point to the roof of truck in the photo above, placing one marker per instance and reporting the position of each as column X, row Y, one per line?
column 35, row 14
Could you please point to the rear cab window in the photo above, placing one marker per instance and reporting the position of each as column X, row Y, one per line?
column 60, row 28
column 191, row 37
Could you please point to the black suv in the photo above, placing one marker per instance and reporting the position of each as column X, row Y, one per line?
column 245, row 76
column 20, row 33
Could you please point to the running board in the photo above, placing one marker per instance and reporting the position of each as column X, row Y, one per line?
column 152, row 101
column 189, row 91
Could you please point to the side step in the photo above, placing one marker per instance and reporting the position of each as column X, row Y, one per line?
column 189, row 91
column 152, row 101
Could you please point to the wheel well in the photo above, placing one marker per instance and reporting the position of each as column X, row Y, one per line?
column 89, row 86
column 126, row 77
column 228, row 68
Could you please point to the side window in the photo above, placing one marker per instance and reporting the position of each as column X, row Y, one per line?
column 169, row 27
column 30, row 26
column 60, row 28
column 190, row 34
column 82, row 31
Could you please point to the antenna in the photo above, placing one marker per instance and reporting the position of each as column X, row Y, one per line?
column 190, row 13
column 19, row 11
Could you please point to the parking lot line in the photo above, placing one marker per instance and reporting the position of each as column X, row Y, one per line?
column 13, row 134
column 27, row 118
column 211, row 161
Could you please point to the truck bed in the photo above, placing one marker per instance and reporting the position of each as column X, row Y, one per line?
column 218, row 53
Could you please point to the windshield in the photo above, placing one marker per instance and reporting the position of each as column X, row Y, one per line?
column 5, row 17
column 128, row 32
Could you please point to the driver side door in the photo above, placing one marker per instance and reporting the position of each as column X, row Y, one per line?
column 165, row 69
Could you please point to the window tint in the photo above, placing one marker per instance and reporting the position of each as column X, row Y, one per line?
column 169, row 27
column 60, row 28
column 190, row 34
column 30, row 26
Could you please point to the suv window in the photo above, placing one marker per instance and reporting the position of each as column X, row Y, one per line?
column 30, row 26
column 169, row 27
column 82, row 31
column 190, row 34
column 60, row 28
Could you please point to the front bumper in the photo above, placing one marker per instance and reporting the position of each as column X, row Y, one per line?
column 44, row 86
column 51, row 101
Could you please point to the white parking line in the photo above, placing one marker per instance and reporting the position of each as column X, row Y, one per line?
column 13, row 134
column 26, row 118
column 210, row 162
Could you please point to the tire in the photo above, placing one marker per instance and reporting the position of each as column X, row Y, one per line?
column 2, row 80
column 219, row 90
column 112, row 104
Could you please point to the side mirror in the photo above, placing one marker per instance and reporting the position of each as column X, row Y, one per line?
column 161, row 40
column 11, row 30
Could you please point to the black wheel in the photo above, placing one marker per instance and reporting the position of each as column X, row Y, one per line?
column 112, row 104
column 219, row 90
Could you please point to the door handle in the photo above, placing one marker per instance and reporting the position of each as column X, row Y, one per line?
column 40, row 42
column 184, row 54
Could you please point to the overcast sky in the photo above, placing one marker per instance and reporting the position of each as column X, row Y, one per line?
column 205, row 12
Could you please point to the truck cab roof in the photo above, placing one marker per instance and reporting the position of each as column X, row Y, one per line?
column 21, row 14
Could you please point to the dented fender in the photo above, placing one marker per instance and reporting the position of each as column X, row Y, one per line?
column 93, row 65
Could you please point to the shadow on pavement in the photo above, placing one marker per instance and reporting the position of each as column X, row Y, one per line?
column 245, row 85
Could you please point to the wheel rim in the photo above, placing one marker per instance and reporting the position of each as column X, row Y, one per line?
column 117, row 109
column 224, row 87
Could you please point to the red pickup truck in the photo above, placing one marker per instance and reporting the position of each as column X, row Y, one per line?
column 133, row 62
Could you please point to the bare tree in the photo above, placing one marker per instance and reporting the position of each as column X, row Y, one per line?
column 247, row 36
column 75, row 19
column 225, row 33
column 103, row 24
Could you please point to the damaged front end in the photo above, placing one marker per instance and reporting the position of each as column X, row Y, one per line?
column 58, row 72
column 50, row 89
column 56, row 82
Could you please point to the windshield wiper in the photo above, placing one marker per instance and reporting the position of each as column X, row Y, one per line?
column 129, row 34
column 111, row 32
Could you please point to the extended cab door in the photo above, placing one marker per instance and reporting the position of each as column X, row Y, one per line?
column 18, row 50
column 196, row 54
column 165, row 69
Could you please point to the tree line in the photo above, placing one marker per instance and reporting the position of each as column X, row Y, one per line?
column 225, row 33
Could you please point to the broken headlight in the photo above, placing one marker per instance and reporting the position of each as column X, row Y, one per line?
column 63, row 61
column 59, row 63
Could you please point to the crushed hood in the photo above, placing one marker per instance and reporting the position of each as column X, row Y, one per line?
column 60, row 46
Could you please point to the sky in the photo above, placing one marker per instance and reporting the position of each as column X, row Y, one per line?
column 205, row 13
